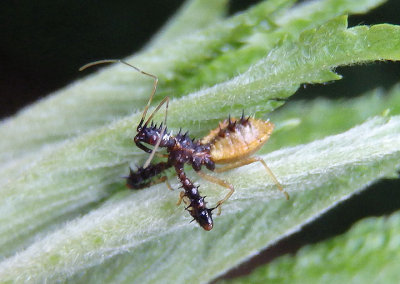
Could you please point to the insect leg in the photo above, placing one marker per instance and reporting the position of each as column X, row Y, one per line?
column 160, row 180
column 221, row 183
column 165, row 179
column 250, row 160
column 181, row 196
column 166, row 102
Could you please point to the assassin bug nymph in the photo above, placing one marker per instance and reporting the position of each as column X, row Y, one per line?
column 232, row 143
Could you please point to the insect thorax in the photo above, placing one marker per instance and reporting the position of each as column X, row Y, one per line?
column 188, row 151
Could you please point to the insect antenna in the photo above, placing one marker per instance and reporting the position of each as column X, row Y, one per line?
column 141, row 125
column 137, row 69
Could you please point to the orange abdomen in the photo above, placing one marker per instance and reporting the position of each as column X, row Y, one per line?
column 237, row 138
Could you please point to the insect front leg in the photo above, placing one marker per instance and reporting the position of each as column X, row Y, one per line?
column 166, row 102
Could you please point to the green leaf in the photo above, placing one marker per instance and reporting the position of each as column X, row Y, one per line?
column 365, row 254
column 137, row 233
column 116, row 235
column 310, row 125
column 86, row 170
column 278, row 26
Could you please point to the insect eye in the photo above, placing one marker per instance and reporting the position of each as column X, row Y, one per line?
column 140, row 137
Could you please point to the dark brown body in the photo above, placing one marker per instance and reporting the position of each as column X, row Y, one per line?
column 231, row 143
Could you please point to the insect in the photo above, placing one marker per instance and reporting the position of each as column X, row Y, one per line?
column 231, row 145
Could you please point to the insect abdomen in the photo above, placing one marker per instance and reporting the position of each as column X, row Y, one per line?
column 237, row 138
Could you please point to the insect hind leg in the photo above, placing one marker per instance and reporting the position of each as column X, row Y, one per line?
column 221, row 183
column 250, row 160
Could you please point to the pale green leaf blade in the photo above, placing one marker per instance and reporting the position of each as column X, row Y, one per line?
column 87, row 170
column 130, row 234
column 310, row 125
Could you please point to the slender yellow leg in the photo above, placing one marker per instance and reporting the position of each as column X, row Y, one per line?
column 221, row 183
column 181, row 196
column 164, row 179
column 250, row 160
